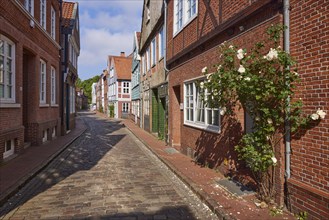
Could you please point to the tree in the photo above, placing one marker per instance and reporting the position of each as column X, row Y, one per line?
column 86, row 86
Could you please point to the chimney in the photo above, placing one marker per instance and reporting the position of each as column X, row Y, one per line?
column 122, row 54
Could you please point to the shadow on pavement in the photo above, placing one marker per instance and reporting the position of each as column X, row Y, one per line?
column 83, row 154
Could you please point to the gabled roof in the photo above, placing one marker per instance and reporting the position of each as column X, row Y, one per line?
column 69, row 13
column 122, row 66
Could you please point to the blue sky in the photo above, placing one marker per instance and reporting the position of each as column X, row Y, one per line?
column 106, row 28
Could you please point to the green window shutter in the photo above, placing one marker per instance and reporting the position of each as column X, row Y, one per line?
column 162, row 119
column 155, row 115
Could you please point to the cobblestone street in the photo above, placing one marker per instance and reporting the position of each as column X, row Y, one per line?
column 107, row 173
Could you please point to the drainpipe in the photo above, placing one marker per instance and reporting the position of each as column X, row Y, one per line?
column 165, row 68
column 61, row 62
column 286, row 21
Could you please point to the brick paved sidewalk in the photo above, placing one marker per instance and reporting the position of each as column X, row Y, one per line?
column 203, row 181
column 16, row 172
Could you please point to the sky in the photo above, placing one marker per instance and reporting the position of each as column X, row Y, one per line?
column 106, row 28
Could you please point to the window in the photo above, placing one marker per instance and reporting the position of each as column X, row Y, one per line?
column 153, row 46
column 148, row 12
column 191, row 8
column 146, row 103
column 29, row 6
column 125, row 87
column 43, row 11
column 9, row 148
column 161, row 44
column 184, row 12
column 42, row 81
column 53, row 86
column 125, row 107
column 7, row 70
column 72, row 99
column 144, row 64
column 45, row 136
column 196, row 112
column 53, row 23
column 148, row 61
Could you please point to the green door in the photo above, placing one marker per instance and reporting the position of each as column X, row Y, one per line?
column 155, row 115
column 162, row 118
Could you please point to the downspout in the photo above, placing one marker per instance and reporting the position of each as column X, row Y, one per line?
column 61, row 62
column 166, row 69
column 286, row 22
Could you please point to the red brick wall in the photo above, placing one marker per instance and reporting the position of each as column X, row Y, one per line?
column 310, row 150
column 30, row 42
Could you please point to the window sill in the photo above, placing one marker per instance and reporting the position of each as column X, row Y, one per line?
column 210, row 128
column 54, row 105
column 43, row 105
column 10, row 105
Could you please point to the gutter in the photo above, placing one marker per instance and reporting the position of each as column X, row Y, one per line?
column 166, row 72
column 286, row 22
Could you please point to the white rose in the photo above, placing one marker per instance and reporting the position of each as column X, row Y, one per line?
column 272, row 54
column 239, row 77
column 247, row 78
column 219, row 67
column 240, row 54
column 241, row 69
column 231, row 47
column 257, row 118
column 314, row 117
column 321, row 113
column 222, row 111
column 274, row 160
column 201, row 85
column 269, row 121
column 204, row 70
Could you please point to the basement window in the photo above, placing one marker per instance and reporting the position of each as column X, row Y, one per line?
column 9, row 148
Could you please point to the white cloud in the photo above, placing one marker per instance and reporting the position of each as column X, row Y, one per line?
column 106, row 28
column 97, row 44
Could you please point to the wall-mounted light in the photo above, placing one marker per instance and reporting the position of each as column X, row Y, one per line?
column 241, row 28
column 32, row 24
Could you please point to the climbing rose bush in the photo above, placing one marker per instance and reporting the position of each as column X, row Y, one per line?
column 260, row 81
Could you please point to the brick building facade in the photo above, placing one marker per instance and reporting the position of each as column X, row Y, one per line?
column 154, row 83
column 70, row 52
column 119, row 85
column 195, row 29
column 29, row 74
column 308, row 187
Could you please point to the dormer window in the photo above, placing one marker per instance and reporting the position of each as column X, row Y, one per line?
column 148, row 12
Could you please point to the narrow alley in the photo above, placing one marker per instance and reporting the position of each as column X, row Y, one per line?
column 107, row 173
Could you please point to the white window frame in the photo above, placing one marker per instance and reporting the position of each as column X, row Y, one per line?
column 183, row 13
column 194, row 107
column 125, row 107
column 144, row 64
column 161, row 44
column 153, row 52
column 148, row 60
column 53, row 86
column 125, row 87
column 7, row 73
column 43, row 82
column 43, row 13
column 72, row 99
column 11, row 151
column 29, row 6
column 53, row 23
